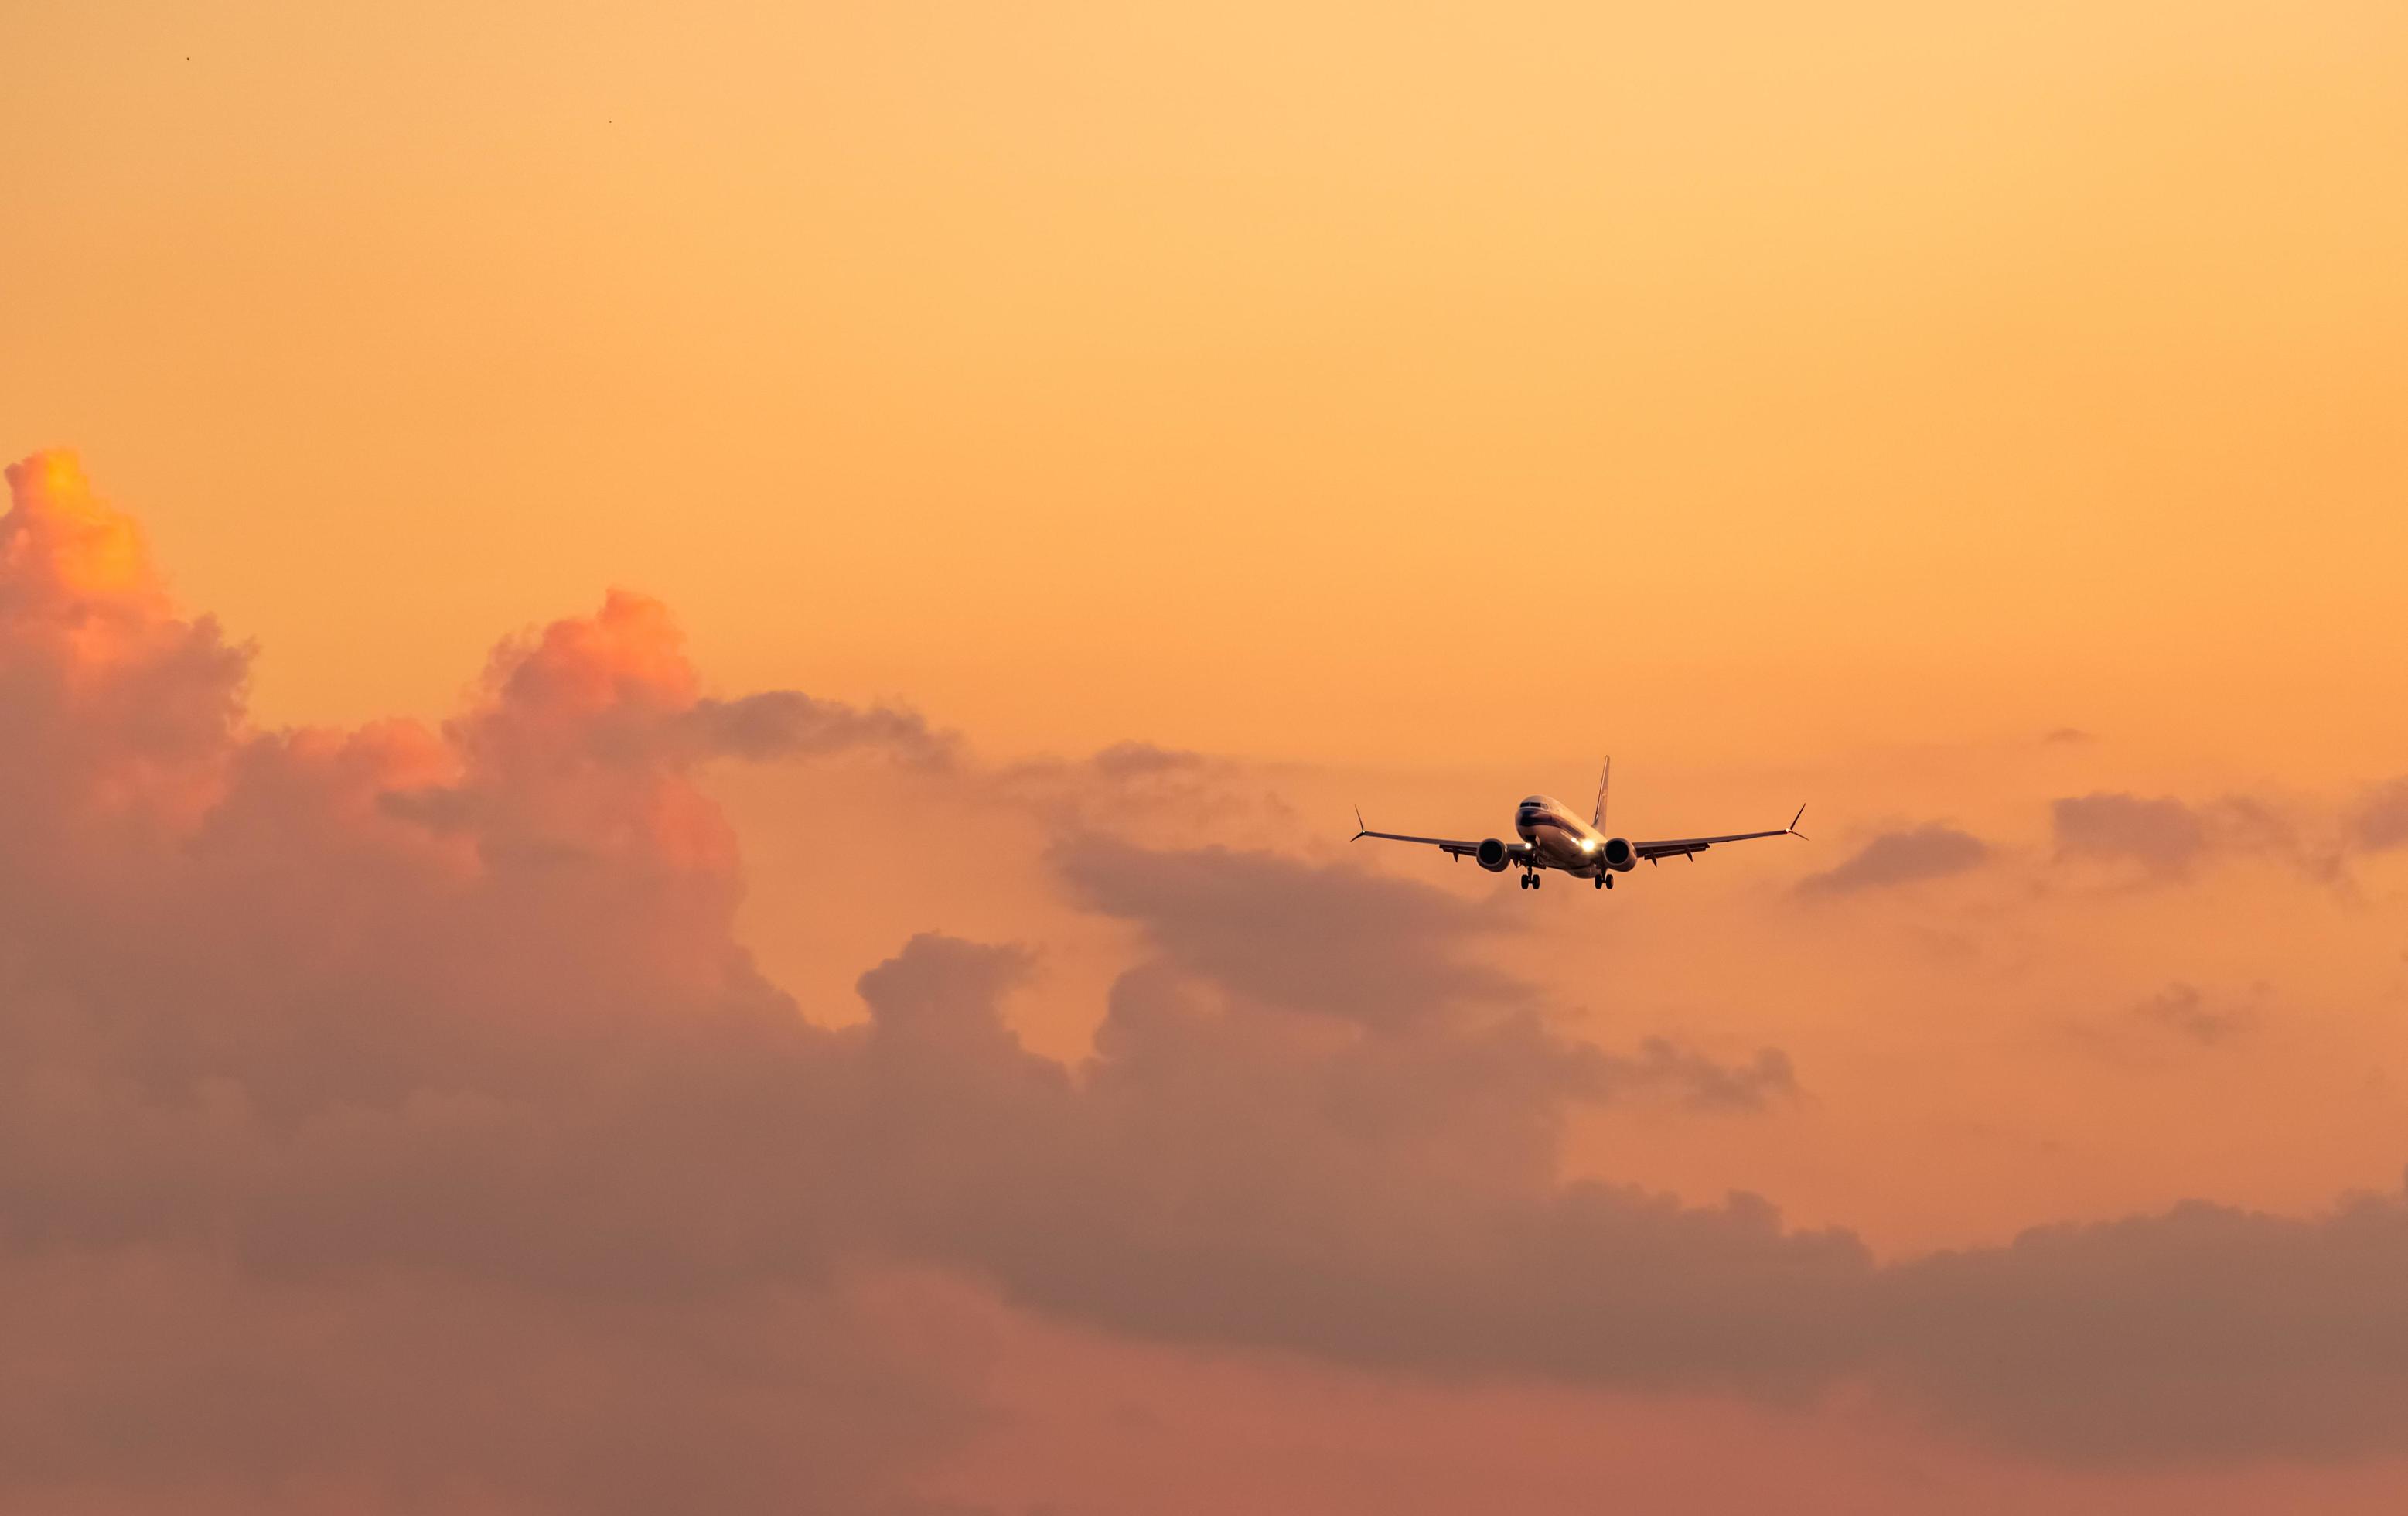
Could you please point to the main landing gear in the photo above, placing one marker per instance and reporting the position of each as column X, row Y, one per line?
column 1529, row 878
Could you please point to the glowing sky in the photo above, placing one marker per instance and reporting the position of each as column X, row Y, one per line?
column 985, row 491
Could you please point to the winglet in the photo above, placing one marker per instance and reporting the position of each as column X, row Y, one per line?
column 1793, row 824
column 1362, row 828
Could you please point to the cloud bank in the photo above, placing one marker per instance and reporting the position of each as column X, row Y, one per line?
column 389, row 1118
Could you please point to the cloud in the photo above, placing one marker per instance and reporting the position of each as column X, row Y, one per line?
column 1171, row 791
column 389, row 1119
column 2180, row 1009
column 2163, row 835
column 162, row 1379
column 2170, row 838
column 1350, row 944
column 1705, row 1083
column 121, row 710
column 1221, row 1176
column 784, row 723
column 2201, row 1335
column 1931, row 851
column 2380, row 821
column 381, row 1111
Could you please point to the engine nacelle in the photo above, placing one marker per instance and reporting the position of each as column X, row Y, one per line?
column 1618, row 855
column 1491, row 855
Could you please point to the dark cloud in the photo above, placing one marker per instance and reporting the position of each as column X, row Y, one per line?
column 1931, row 851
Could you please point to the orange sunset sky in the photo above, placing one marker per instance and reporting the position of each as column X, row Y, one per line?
column 681, row 689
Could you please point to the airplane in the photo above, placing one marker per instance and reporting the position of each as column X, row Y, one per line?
column 1553, row 838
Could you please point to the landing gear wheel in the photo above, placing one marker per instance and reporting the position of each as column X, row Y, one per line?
column 1600, row 881
column 1609, row 881
column 1535, row 880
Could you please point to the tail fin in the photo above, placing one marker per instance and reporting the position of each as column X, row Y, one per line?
column 1599, row 819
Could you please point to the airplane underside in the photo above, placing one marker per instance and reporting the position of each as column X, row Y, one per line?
column 1551, row 849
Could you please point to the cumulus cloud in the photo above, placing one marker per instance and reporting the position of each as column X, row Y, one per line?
column 372, row 1103
column 388, row 1118
column 1933, row 850
column 1293, row 934
column 121, row 710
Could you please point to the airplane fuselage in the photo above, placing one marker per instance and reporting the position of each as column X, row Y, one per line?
column 1557, row 838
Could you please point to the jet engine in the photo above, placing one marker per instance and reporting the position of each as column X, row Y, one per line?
column 1491, row 855
column 1618, row 854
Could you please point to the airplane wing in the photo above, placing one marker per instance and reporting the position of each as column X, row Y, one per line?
column 1457, row 846
column 1691, row 846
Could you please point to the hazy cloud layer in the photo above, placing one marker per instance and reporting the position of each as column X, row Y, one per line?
column 2168, row 837
column 1167, row 789
column 1931, row 851
column 390, row 1100
column 2380, row 821
column 2206, row 1333
column 2183, row 1010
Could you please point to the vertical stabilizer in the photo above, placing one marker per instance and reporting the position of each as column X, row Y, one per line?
column 1599, row 820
